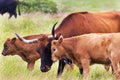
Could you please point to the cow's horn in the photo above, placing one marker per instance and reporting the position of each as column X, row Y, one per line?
column 53, row 29
column 26, row 41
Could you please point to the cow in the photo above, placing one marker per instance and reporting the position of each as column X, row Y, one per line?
column 10, row 7
column 89, row 49
column 74, row 24
column 26, row 51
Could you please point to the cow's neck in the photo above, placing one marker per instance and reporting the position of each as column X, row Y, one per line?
column 69, row 49
column 24, row 57
column 64, row 30
column 19, row 46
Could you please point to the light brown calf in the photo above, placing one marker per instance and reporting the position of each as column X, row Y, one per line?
column 88, row 49
column 28, row 52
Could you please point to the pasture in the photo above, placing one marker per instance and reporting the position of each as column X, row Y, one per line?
column 14, row 68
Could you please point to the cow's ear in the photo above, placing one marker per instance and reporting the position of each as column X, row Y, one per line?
column 8, row 39
column 53, row 42
column 13, row 40
column 60, row 40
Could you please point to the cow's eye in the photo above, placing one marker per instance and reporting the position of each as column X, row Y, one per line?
column 54, row 49
column 5, row 47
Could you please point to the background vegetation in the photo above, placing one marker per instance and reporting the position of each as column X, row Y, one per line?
column 38, row 16
column 46, row 6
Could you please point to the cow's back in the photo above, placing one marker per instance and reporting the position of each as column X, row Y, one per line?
column 87, row 22
column 93, row 46
column 35, row 36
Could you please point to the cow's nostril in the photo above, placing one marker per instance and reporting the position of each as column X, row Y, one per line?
column 3, row 54
column 43, row 69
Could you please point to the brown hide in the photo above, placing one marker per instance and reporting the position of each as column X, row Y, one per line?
column 88, row 49
column 87, row 22
column 26, row 51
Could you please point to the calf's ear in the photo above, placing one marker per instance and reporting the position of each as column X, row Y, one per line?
column 8, row 39
column 53, row 43
column 13, row 40
column 60, row 40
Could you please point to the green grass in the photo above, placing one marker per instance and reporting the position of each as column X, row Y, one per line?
column 14, row 68
column 87, row 5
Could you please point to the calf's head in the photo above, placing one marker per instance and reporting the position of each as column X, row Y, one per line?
column 57, row 49
column 9, row 47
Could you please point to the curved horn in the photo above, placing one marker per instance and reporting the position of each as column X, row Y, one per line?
column 53, row 29
column 26, row 41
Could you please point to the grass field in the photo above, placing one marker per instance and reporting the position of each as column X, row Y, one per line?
column 14, row 68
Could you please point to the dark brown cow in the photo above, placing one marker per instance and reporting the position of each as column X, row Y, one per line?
column 26, row 51
column 88, row 49
column 76, row 24
column 10, row 7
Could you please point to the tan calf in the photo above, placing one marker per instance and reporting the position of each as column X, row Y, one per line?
column 88, row 49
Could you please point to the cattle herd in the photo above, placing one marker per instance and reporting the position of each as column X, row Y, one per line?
column 82, row 38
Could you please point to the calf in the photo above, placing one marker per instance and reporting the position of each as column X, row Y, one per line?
column 26, row 51
column 88, row 49
column 10, row 7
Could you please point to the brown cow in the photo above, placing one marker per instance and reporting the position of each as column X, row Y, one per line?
column 88, row 49
column 26, row 51
column 80, row 23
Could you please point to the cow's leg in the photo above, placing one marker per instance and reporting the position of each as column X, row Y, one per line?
column 81, row 70
column 85, row 64
column 15, row 14
column 107, row 67
column 10, row 15
column 112, row 69
column 115, row 64
column 60, row 67
column 30, row 65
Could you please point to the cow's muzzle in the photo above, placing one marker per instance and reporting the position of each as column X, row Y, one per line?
column 45, row 68
column 4, row 53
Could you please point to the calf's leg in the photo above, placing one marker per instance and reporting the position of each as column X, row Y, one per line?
column 85, row 64
column 61, row 68
column 81, row 70
column 30, row 65
column 115, row 64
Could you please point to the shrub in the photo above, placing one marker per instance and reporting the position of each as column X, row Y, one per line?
column 46, row 6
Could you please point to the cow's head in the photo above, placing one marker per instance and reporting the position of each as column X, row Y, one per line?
column 9, row 47
column 57, row 49
column 45, row 51
column 46, row 59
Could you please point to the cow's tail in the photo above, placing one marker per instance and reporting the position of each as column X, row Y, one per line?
column 26, row 41
column 19, row 8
